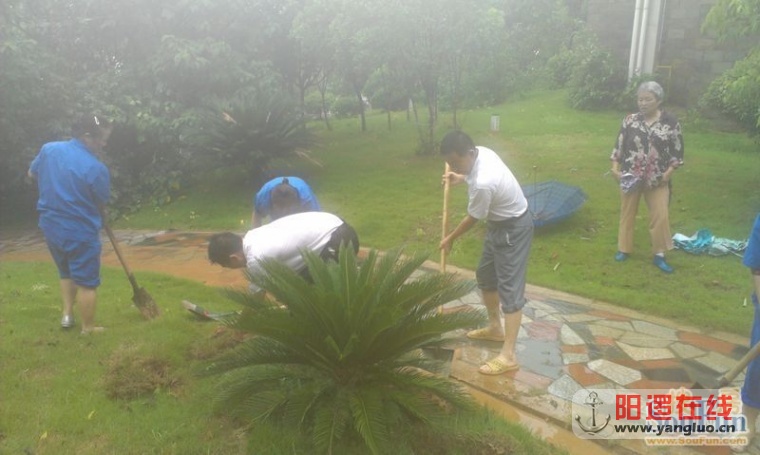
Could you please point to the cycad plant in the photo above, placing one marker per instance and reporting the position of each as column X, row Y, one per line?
column 341, row 356
column 253, row 131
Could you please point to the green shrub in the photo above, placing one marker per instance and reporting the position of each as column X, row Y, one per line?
column 341, row 357
column 559, row 67
column 313, row 103
column 345, row 106
column 596, row 81
column 145, row 171
column 250, row 132
column 737, row 92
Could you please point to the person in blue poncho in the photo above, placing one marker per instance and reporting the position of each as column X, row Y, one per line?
column 74, row 186
column 751, row 388
column 283, row 196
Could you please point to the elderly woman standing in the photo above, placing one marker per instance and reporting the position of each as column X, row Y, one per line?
column 649, row 148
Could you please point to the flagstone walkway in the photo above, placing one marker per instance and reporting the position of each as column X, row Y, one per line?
column 566, row 343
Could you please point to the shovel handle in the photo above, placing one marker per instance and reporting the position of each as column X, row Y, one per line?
column 117, row 250
column 740, row 365
column 445, row 217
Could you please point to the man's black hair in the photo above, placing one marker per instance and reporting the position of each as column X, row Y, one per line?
column 285, row 200
column 222, row 246
column 90, row 124
column 456, row 142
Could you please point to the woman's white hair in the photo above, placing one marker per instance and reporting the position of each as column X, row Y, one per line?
column 653, row 88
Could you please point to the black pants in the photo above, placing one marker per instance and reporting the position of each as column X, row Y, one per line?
column 343, row 236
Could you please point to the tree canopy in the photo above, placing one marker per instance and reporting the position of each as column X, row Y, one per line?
column 737, row 91
column 168, row 72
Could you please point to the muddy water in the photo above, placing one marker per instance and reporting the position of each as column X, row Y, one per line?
column 190, row 264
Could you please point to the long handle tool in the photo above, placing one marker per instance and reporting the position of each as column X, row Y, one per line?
column 140, row 297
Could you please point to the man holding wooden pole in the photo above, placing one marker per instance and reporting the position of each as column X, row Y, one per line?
column 496, row 197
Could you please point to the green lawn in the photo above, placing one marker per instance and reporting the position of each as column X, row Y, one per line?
column 56, row 384
column 135, row 389
column 393, row 197
column 64, row 393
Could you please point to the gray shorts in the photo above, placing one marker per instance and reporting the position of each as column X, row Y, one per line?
column 504, row 262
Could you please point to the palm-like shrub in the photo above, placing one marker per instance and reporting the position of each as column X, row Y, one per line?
column 251, row 132
column 341, row 356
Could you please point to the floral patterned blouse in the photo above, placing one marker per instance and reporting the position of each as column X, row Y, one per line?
column 646, row 151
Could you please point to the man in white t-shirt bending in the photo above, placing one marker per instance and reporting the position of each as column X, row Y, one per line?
column 283, row 240
column 496, row 197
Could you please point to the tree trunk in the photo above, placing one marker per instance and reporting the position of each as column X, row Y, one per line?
column 361, row 107
column 322, row 86
column 456, row 73
column 431, row 95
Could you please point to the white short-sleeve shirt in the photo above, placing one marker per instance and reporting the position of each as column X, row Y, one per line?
column 284, row 239
column 494, row 192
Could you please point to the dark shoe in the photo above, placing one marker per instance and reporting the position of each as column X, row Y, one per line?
column 659, row 261
column 620, row 256
column 67, row 322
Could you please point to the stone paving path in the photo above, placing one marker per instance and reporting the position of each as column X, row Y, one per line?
column 566, row 343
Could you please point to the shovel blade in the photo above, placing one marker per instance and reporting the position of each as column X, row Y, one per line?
column 145, row 303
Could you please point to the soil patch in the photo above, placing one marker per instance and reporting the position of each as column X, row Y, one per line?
column 131, row 375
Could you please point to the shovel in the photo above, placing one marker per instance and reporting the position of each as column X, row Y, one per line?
column 443, row 355
column 445, row 217
column 140, row 297
column 732, row 373
column 444, row 222
column 202, row 313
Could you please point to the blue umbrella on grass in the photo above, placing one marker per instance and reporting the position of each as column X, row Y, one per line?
column 551, row 202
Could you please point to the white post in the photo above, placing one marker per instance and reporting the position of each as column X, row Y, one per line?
column 642, row 36
column 495, row 122
column 634, row 40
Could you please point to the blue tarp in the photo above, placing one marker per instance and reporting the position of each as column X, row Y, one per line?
column 552, row 201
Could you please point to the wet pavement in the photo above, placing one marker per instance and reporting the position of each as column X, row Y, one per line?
column 566, row 343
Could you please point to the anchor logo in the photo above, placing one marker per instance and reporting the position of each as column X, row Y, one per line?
column 593, row 401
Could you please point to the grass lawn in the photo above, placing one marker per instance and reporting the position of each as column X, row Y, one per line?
column 135, row 389
column 392, row 197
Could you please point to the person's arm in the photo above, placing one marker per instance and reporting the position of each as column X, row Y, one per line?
column 751, row 257
column 756, row 281
column 262, row 205
column 256, row 220
column 676, row 150
column 615, row 170
column 465, row 225
column 312, row 204
column 32, row 171
column 308, row 199
column 101, row 187
column 618, row 151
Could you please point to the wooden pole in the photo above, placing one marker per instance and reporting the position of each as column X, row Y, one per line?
column 445, row 217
